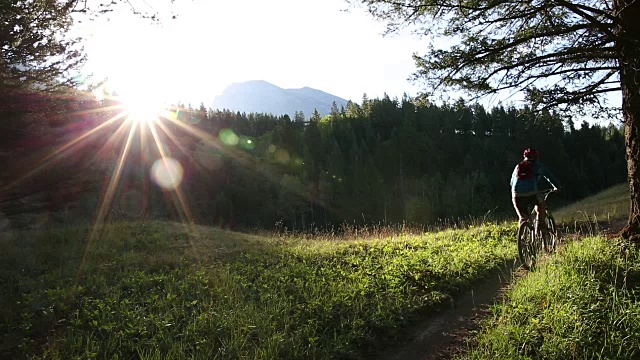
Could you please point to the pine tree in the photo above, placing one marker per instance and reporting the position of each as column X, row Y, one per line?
column 562, row 54
column 37, row 99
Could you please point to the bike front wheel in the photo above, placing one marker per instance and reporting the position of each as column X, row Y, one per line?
column 552, row 241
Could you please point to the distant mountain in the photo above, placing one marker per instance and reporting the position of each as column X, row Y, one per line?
column 261, row 96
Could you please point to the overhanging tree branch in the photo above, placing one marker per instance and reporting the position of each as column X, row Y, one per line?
column 553, row 57
column 521, row 47
column 592, row 20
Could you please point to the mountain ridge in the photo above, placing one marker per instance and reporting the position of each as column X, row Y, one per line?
column 260, row 96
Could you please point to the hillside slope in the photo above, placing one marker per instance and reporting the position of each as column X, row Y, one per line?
column 608, row 205
column 162, row 290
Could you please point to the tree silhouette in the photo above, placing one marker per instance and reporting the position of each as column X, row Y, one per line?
column 564, row 54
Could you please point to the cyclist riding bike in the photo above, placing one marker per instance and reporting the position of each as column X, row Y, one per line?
column 524, row 186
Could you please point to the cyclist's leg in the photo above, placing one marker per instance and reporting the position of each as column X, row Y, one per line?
column 541, row 210
column 519, row 203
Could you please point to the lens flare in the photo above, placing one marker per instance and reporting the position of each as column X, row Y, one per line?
column 282, row 156
column 167, row 173
column 210, row 161
column 194, row 119
column 247, row 143
column 229, row 137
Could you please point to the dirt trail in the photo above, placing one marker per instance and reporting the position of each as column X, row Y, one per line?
column 444, row 334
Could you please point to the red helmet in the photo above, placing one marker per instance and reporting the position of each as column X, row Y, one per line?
column 531, row 154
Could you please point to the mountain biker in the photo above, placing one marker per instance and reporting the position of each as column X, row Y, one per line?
column 524, row 185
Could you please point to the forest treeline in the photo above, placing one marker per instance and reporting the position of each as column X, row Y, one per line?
column 381, row 161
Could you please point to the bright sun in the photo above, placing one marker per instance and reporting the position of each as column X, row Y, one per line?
column 137, row 73
column 142, row 106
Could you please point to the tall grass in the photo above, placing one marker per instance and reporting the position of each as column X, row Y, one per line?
column 158, row 290
column 583, row 304
column 608, row 205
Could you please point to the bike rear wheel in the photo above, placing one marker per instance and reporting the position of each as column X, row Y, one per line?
column 526, row 249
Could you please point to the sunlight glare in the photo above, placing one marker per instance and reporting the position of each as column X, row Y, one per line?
column 167, row 173
column 108, row 197
column 142, row 107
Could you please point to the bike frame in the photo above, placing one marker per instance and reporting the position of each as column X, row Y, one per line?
column 545, row 195
column 531, row 240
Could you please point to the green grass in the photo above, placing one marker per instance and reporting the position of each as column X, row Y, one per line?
column 608, row 205
column 156, row 291
column 582, row 304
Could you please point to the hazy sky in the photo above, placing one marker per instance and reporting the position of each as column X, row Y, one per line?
column 290, row 43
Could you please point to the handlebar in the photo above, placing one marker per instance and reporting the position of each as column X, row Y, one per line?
column 546, row 193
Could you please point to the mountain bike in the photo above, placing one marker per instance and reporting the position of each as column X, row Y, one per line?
column 535, row 238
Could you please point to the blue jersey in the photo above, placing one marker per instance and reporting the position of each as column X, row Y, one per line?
column 524, row 187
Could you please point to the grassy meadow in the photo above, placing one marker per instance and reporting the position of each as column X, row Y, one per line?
column 159, row 290
column 584, row 303
column 608, row 205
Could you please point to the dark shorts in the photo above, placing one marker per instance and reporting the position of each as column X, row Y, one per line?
column 524, row 204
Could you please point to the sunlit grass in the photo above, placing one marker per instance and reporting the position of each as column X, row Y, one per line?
column 608, row 205
column 163, row 290
column 582, row 304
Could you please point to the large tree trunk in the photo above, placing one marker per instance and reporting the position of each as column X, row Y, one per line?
column 629, row 48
